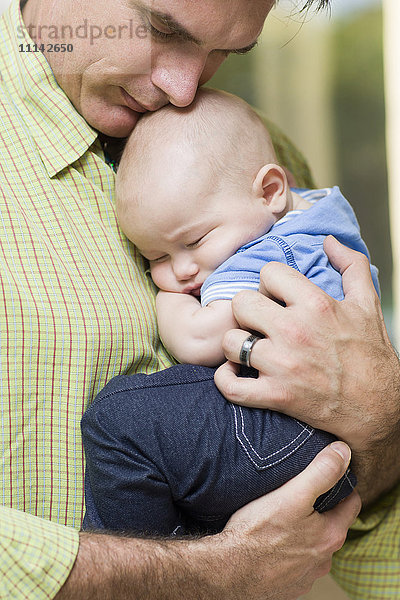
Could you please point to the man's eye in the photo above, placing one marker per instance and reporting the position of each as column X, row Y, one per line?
column 160, row 31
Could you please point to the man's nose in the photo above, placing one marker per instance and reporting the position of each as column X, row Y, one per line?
column 178, row 77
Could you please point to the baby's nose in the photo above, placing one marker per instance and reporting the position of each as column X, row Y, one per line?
column 185, row 270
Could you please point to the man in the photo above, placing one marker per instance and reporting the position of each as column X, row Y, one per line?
column 78, row 307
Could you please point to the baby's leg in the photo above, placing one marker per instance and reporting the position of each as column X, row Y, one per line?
column 167, row 453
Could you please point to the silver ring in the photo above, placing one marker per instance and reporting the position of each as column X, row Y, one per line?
column 247, row 347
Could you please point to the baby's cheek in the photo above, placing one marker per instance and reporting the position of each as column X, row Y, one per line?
column 163, row 278
column 157, row 278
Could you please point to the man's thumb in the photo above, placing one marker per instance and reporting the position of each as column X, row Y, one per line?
column 321, row 474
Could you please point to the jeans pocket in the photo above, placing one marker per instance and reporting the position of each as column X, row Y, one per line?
column 268, row 438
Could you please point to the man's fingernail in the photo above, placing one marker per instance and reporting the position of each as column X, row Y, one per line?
column 343, row 450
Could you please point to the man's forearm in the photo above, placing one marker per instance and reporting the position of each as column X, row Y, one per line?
column 378, row 468
column 373, row 479
column 118, row 568
column 376, row 461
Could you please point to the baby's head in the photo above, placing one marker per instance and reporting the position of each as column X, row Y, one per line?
column 197, row 183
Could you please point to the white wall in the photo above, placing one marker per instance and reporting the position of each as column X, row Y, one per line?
column 3, row 5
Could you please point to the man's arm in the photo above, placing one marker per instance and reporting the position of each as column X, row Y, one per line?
column 273, row 548
column 326, row 362
column 193, row 334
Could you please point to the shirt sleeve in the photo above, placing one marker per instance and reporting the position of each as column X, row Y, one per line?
column 241, row 271
column 36, row 555
column 368, row 565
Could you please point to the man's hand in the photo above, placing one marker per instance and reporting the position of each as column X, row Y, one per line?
column 326, row 362
column 282, row 530
column 272, row 549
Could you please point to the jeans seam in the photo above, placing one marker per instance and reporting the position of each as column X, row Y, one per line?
column 335, row 491
column 153, row 385
column 310, row 432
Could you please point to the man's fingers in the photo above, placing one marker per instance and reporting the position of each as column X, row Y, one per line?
column 232, row 344
column 285, row 284
column 354, row 268
column 319, row 477
column 281, row 282
column 346, row 512
column 253, row 311
column 245, row 391
column 233, row 388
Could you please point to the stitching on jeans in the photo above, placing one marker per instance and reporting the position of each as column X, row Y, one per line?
column 304, row 428
column 335, row 490
column 153, row 385
column 271, row 464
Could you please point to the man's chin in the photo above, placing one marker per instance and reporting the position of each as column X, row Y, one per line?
column 118, row 122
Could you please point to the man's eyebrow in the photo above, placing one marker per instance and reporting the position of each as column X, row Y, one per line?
column 184, row 34
column 173, row 25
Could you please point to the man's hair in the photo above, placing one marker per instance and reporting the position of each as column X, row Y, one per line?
column 306, row 5
column 321, row 5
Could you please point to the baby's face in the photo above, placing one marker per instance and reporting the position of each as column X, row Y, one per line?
column 186, row 229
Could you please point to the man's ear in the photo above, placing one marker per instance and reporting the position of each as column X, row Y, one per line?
column 271, row 184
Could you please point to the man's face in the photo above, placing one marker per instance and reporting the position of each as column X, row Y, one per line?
column 149, row 52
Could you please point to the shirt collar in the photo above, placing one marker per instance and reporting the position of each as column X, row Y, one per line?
column 61, row 134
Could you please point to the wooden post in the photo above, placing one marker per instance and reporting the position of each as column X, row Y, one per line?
column 391, row 45
column 292, row 85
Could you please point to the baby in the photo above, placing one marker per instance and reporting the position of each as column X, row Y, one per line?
column 201, row 195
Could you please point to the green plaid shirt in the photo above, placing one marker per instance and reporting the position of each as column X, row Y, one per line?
column 77, row 309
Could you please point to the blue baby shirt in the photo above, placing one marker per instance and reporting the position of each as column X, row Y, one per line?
column 296, row 240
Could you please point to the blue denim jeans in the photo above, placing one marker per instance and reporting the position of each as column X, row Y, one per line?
column 167, row 454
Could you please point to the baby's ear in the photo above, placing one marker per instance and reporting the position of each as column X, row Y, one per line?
column 271, row 184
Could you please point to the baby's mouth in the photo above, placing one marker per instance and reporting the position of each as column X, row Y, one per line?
column 193, row 290
column 196, row 291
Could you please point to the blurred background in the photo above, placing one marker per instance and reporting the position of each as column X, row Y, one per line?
column 320, row 78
